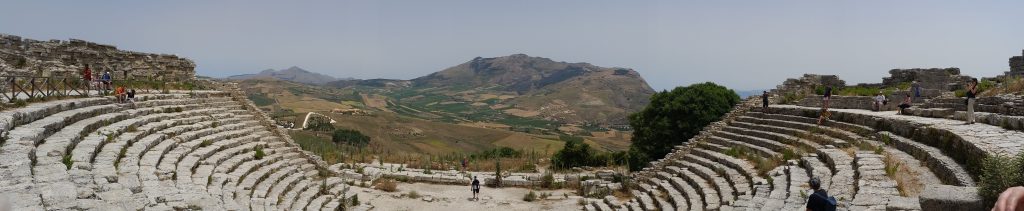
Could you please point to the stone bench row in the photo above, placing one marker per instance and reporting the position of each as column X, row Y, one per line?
column 25, row 137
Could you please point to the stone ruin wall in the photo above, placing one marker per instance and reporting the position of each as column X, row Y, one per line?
column 944, row 79
column 1017, row 65
column 806, row 84
column 27, row 57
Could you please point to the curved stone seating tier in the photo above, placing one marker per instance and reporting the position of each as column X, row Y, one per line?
column 726, row 192
column 943, row 166
column 966, row 144
column 26, row 128
column 51, row 174
column 842, row 182
column 735, row 180
column 781, row 139
column 164, row 152
column 760, row 151
column 874, row 188
column 813, row 140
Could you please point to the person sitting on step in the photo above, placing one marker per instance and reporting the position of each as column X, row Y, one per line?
column 879, row 102
column 905, row 104
column 819, row 199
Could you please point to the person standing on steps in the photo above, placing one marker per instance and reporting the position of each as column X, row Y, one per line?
column 916, row 88
column 971, row 92
column 819, row 199
column 106, row 80
column 476, row 188
column 827, row 96
column 764, row 100
column 87, row 76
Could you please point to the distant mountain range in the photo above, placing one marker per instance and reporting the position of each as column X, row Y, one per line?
column 534, row 87
column 516, row 90
column 294, row 74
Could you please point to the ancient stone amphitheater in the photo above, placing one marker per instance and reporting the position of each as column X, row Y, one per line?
column 181, row 150
column 198, row 150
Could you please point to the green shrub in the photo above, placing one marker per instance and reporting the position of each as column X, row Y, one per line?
column 673, row 117
column 259, row 153
column 67, row 161
column 531, row 196
column 414, row 195
column 206, row 143
column 1000, row 172
column 548, row 181
column 355, row 200
column 350, row 137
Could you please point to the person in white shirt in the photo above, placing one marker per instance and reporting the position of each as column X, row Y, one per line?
column 879, row 102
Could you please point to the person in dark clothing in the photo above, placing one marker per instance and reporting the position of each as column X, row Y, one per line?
column 826, row 97
column 764, row 99
column 971, row 92
column 475, row 187
column 916, row 88
column 905, row 104
column 819, row 199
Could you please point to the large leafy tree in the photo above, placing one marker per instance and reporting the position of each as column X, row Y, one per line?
column 575, row 153
column 673, row 117
column 350, row 137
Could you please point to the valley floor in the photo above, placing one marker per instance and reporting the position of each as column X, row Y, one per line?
column 450, row 197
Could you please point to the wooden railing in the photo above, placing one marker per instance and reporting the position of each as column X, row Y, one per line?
column 13, row 88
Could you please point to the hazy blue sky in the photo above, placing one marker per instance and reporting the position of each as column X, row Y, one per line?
column 741, row 44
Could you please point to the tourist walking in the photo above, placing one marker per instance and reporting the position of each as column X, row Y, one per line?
column 971, row 92
column 819, row 199
column 826, row 97
column 87, row 76
column 764, row 100
column 905, row 104
column 475, row 187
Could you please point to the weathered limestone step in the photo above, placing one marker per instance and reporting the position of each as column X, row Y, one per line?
column 798, row 179
column 874, row 187
column 814, row 138
column 744, row 167
column 966, row 144
column 735, row 179
column 726, row 192
column 659, row 199
column 758, row 141
column 270, row 188
column 227, row 177
column 291, row 192
column 188, row 169
column 817, row 169
column 776, row 199
column 861, row 130
column 711, row 146
column 678, row 200
column 646, row 202
column 783, row 139
column 706, row 192
column 105, row 166
column 696, row 201
column 229, row 157
column 128, row 170
column 948, row 170
column 829, row 131
column 254, row 175
column 51, row 174
column 185, row 144
column 760, row 151
column 600, row 205
column 843, row 183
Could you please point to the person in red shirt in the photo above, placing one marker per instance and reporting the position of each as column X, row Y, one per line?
column 87, row 75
